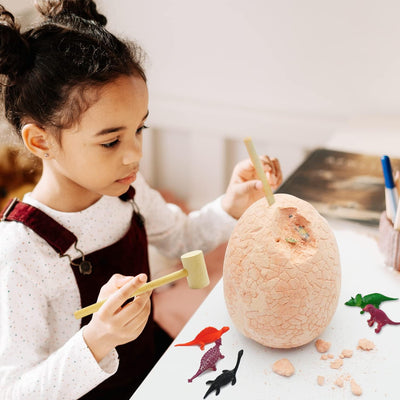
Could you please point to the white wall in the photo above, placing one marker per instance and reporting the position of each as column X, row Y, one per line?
column 288, row 72
column 311, row 56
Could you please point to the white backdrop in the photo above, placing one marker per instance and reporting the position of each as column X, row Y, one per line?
column 290, row 73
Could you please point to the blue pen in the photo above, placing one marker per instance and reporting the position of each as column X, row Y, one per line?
column 391, row 196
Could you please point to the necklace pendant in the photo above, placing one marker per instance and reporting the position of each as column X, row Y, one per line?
column 85, row 267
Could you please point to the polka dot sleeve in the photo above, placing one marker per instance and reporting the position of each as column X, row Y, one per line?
column 41, row 357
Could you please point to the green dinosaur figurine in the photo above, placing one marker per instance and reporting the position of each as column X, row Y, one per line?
column 373, row 298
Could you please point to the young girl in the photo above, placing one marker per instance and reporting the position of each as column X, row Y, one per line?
column 77, row 97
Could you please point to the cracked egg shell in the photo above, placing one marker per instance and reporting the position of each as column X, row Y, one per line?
column 281, row 273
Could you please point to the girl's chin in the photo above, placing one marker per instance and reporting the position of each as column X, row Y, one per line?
column 118, row 191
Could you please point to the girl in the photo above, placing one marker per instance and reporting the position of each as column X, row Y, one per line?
column 77, row 97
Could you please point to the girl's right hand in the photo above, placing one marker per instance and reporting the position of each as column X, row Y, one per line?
column 113, row 324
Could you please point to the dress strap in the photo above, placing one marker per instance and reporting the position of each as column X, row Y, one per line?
column 58, row 237
column 129, row 194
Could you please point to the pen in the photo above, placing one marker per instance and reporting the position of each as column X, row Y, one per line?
column 391, row 196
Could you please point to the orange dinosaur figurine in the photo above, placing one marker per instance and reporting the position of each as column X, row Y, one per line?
column 207, row 335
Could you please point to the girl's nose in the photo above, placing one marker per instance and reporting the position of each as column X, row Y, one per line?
column 132, row 152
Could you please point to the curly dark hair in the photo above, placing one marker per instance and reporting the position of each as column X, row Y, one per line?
column 47, row 69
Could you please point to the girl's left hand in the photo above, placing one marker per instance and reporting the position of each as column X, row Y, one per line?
column 245, row 188
column 397, row 181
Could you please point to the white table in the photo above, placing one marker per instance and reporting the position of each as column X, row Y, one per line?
column 363, row 271
column 376, row 371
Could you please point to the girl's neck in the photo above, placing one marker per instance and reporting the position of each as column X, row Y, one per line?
column 62, row 196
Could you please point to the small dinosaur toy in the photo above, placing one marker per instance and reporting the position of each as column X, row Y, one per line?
column 227, row 376
column 209, row 360
column 379, row 317
column 207, row 335
column 374, row 298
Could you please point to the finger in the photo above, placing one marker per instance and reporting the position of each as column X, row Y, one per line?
column 131, row 327
column 245, row 166
column 251, row 187
column 135, row 311
column 115, row 283
column 248, row 169
column 266, row 160
column 118, row 280
column 269, row 168
column 117, row 299
column 275, row 173
column 276, row 166
column 397, row 181
column 135, row 327
column 269, row 164
column 134, row 305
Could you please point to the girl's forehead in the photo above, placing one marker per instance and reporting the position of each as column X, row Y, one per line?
column 132, row 87
column 123, row 101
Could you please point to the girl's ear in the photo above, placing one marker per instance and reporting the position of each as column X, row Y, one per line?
column 37, row 141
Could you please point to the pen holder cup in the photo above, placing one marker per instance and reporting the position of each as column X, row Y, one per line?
column 389, row 242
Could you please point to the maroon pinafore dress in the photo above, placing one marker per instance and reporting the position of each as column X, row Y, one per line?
column 127, row 256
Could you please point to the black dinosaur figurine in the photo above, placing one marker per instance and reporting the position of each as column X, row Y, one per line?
column 227, row 376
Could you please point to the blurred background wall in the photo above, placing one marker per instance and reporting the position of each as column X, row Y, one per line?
column 288, row 73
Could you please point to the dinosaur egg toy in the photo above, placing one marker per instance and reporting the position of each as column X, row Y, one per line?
column 281, row 273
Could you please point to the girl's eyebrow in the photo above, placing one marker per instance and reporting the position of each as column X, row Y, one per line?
column 110, row 130
column 105, row 131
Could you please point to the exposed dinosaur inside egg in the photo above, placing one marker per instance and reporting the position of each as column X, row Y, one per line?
column 282, row 273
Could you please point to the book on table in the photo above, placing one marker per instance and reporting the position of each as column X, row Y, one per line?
column 341, row 185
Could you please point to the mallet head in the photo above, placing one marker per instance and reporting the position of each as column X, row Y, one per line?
column 195, row 265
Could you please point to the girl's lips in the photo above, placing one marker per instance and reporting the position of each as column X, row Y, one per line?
column 128, row 179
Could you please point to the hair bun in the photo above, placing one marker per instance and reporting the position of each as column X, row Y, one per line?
column 15, row 54
column 86, row 9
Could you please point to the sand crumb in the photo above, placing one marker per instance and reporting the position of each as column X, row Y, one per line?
column 324, row 357
column 339, row 382
column 322, row 346
column 346, row 353
column 283, row 367
column 355, row 388
column 337, row 363
column 346, row 377
column 321, row 380
column 365, row 344
column 342, row 379
column 331, row 356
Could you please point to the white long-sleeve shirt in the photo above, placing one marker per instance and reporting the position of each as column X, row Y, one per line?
column 42, row 351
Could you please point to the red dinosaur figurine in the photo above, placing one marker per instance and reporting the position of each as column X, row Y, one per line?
column 207, row 335
column 379, row 317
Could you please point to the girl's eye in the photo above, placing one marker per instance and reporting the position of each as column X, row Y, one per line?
column 111, row 144
column 116, row 141
column 139, row 131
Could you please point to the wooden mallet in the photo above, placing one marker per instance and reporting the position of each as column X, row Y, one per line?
column 194, row 268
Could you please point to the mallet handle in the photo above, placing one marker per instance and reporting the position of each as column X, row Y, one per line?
column 259, row 169
column 174, row 276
